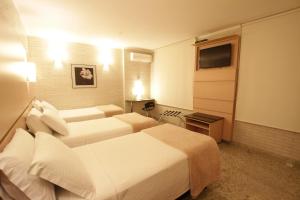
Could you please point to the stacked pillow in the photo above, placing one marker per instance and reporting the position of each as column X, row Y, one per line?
column 54, row 121
column 57, row 163
column 41, row 105
column 47, row 105
column 34, row 122
column 15, row 160
column 37, row 105
column 31, row 167
column 47, row 120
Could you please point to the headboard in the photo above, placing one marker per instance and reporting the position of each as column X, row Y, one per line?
column 19, row 123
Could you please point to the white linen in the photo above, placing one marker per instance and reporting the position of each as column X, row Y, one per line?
column 133, row 167
column 91, row 131
column 14, row 163
column 55, row 122
column 47, row 105
column 37, row 105
column 59, row 164
column 34, row 122
column 81, row 114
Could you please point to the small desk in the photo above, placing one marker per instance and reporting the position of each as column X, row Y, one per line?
column 132, row 101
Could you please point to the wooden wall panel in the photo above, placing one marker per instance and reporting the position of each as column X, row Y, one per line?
column 214, row 105
column 217, row 74
column 215, row 88
column 220, row 90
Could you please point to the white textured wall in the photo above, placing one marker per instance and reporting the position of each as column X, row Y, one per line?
column 269, row 83
column 55, row 85
column 172, row 75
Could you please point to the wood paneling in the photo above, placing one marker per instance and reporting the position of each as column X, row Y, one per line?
column 216, row 74
column 220, row 90
column 19, row 122
column 214, row 105
column 215, row 88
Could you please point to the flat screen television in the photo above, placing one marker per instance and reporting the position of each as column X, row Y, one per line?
column 219, row 56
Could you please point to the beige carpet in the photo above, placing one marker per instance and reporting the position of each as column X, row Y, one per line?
column 249, row 174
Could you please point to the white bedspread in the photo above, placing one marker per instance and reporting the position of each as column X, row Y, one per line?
column 133, row 167
column 91, row 131
column 81, row 114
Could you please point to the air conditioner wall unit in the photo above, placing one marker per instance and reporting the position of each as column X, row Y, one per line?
column 140, row 57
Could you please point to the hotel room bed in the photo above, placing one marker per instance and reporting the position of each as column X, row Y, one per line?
column 141, row 166
column 129, row 168
column 85, row 132
column 161, row 163
column 90, row 131
column 81, row 114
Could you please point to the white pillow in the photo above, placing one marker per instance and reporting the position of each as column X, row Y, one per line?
column 59, row 164
column 34, row 122
column 37, row 105
column 15, row 161
column 55, row 122
column 47, row 105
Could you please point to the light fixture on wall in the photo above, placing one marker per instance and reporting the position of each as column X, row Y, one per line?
column 57, row 52
column 105, row 57
column 30, row 72
column 138, row 89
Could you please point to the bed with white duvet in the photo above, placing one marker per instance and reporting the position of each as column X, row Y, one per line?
column 89, row 131
column 81, row 114
column 131, row 167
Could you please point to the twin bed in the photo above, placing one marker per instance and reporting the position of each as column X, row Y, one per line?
column 81, row 114
column 87, row 131
column 161, row 162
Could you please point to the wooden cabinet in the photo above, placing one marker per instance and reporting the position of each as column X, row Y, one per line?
column 206, row 124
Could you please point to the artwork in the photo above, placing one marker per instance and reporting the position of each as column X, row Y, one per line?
column 83, row 76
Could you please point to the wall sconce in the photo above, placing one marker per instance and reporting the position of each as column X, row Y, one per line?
column 30, row 72
column 138, row 89
column 57, row 52
column 106, row 58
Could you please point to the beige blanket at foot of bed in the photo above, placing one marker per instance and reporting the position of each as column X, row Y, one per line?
column 137, row 121
column 202, row 151
column 111, row 110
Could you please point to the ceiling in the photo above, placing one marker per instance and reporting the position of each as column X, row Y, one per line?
column 139, row 23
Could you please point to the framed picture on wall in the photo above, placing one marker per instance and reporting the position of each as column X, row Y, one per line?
column 83, row 76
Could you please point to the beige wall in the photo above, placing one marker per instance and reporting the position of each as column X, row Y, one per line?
column 55, row 85
column 269, row 83
column 172, row 75
column 15, row 91
column 132, row 71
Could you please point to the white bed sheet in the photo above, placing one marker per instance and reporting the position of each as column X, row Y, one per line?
column 81, row 114
column 91, row 131
column 133, row 167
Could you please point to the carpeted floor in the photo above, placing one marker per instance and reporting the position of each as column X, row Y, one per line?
column 249, row 174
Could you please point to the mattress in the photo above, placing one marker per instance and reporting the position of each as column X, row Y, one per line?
column 81, row 114
column 133, row 167
column 91, row 131
column 96, row 112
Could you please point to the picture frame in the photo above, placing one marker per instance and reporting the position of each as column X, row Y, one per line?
column 83, row 76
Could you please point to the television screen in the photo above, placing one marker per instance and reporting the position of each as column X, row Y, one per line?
column 219, row 56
